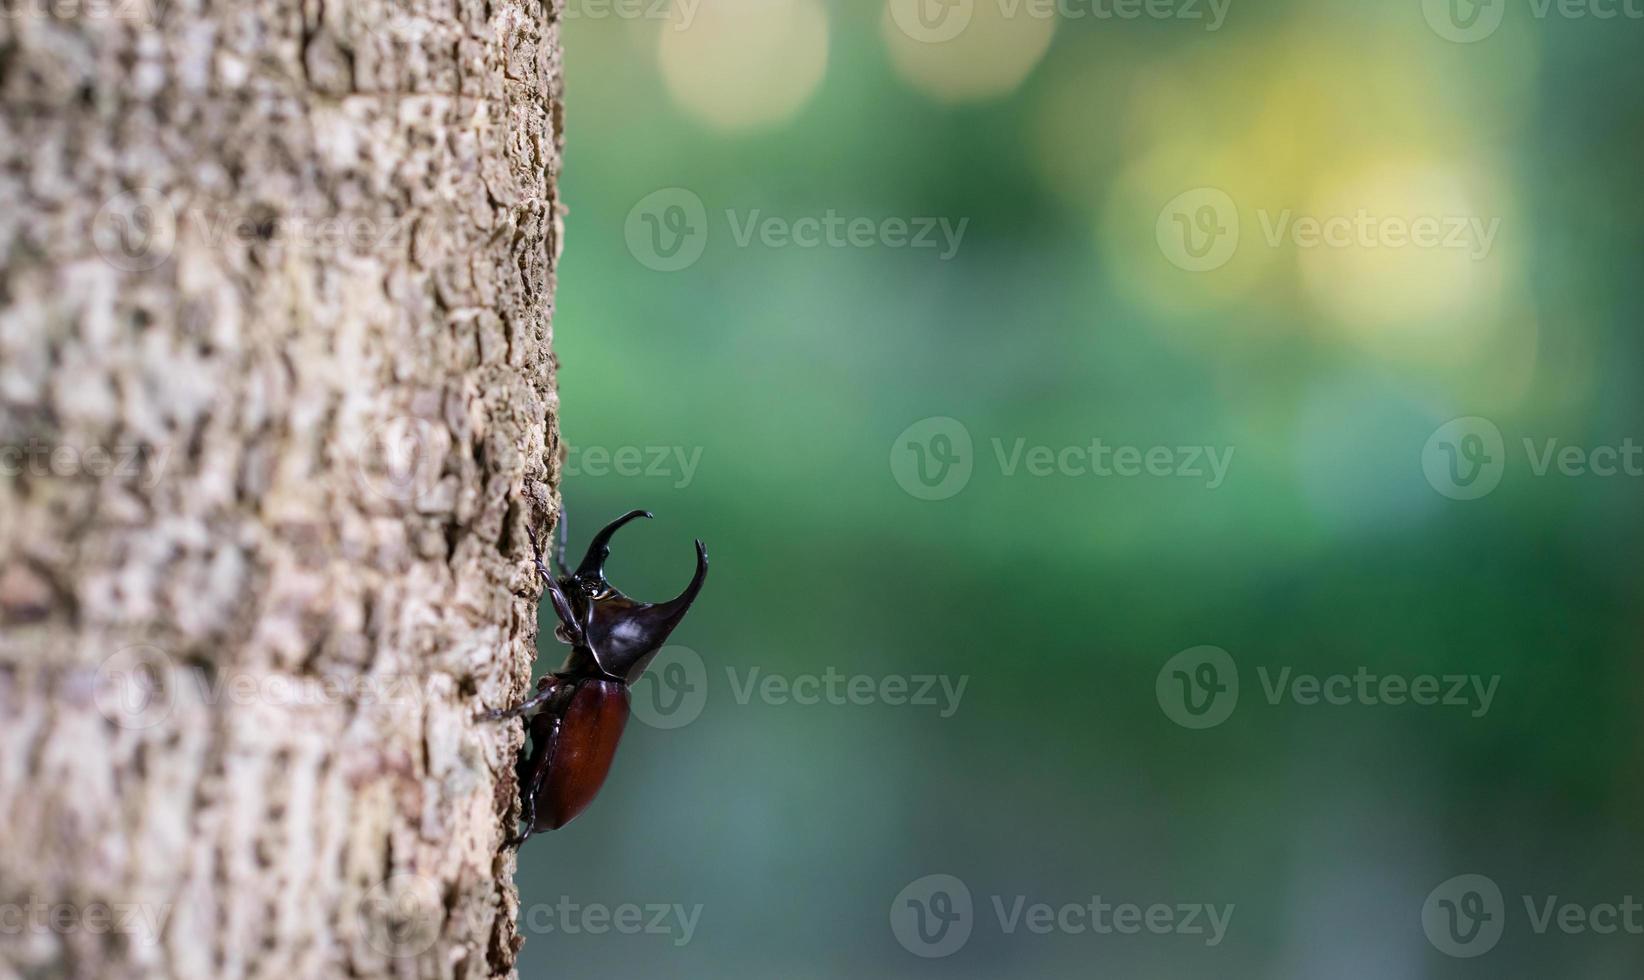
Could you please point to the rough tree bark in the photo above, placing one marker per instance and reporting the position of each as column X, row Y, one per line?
column 277, row 409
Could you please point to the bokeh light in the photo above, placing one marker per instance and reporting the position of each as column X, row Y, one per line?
column 1409, row 258
column 745, row 63
column 974, row 50
column 1101, row 167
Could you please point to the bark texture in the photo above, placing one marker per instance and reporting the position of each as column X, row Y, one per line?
column 276, row 412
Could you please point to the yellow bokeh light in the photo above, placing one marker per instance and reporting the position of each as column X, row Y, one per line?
column 1176, row 228
column 739, row 64
column 1405, row 257
column 1328, row 187
column 969, row 50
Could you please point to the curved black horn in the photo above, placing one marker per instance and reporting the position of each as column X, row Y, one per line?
column 599, row 549
column 622, row 634
column 647, row 626
column 677, row 607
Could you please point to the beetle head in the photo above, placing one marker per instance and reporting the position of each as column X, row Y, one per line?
column 622, row 634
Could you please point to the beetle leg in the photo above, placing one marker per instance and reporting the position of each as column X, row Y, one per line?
column 556, row 595
column 527, row 706
column 536, row 554
column 531, row 772
column 561, row 538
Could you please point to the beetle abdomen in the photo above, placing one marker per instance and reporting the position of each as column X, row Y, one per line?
column 586, row 744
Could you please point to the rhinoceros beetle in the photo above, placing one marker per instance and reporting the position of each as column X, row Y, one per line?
column 579, row 711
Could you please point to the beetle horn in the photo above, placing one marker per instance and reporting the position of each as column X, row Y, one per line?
column 674, row 610
column 599, row 549
column 626, row 636
column 653, row 623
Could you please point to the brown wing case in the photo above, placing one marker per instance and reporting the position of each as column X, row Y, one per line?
column 583, row 751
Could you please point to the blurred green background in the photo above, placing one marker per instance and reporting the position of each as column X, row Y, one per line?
column 1133, row 263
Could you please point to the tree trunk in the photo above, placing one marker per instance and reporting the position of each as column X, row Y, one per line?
column 277, row 413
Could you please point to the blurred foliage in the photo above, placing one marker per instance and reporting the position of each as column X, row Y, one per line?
column 1061, row 318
